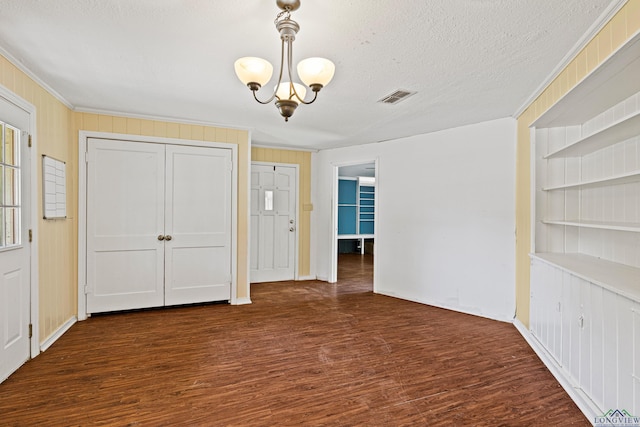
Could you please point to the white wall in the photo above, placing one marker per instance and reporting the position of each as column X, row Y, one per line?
column 446, row 216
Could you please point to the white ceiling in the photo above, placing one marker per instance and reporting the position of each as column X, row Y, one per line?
column 469, row 60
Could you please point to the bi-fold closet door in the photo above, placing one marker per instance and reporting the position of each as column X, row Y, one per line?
column 158, row 224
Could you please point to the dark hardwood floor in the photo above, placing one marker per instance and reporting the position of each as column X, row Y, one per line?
column 305, row 353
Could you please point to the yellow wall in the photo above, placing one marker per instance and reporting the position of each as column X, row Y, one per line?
column 57, row 136
column 623, row 26
column 302, row 158
column 56, row 238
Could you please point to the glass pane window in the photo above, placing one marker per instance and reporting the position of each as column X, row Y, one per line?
column 10, row 146
column 11, row 180
column 11, row 226
column 10, row 190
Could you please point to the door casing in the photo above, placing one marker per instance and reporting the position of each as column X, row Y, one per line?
column 82, row 205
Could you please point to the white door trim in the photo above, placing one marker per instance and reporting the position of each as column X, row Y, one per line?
column 297, row 212
column 82, row 203
column 333, row 273
column 34, row 214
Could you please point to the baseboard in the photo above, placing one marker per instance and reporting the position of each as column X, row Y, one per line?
column 242, row 301
column 446, row 307
column 44, row 345
column 322, row 278
column 306, row 278
column 586, row 405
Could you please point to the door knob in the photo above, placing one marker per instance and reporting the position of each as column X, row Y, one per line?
column 167, row 237
column 160, row 237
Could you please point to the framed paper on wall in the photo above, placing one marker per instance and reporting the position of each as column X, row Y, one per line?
column 54, row 188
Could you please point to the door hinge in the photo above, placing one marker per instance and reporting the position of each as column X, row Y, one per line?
column 29, row 141
column 86, row 289
column 30, row 235
column 30, row 330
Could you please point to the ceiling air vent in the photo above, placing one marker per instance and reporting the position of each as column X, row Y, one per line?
column 397, row 96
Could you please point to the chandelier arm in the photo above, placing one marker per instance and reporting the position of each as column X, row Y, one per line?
column 315, row 95
column 268, row 101
column 289, row 61
column 273, row 95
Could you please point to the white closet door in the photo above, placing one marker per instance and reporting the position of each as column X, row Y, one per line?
column 125, row 216
column 198, row 225
column 273, row 223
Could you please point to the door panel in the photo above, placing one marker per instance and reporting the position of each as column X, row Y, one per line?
column 273, row 223
column 198, row 219
column 125, row 215
column 15, row 257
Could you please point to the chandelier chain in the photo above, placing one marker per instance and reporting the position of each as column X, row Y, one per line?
column 287, row 12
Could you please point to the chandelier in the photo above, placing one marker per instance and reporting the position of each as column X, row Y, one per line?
column 314, row 72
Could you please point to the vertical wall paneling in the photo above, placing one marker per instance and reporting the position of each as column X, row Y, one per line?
column 56, row 247
column 587, row 220
column 617, row 32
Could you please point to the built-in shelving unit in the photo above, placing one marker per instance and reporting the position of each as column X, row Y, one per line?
column 585, row 260
column 356, row 210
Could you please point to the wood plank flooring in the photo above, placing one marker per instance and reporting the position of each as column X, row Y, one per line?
column 304, row 353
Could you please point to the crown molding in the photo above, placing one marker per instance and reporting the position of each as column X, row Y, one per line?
column 22, row 67
column 159, row 118
column 284, row 147
column 593, row 30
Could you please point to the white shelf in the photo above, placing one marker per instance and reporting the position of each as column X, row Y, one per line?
column 355, row 236
column 612, row 180
column 621, row 130
column 613, row 81
column 602, row 225
column 619, row 278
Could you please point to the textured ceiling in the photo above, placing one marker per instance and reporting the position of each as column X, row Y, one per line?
column 469, row 60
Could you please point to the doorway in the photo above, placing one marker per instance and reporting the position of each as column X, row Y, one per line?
column 274, row 222
column 355, row 219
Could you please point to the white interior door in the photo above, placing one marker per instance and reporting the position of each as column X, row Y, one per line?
column 125, row 216
column 15, row 276
column 197, row 225
column 273, row 223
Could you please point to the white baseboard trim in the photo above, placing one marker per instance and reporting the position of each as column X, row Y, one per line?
column 322, row 278
column 584, row 403
column 242, row 301
column 57, row 334
column 446, row 306
column 306, row 278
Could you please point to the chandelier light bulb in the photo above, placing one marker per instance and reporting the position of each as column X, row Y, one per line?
column 316, row 71
column 284, row 91
column 253, row 70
